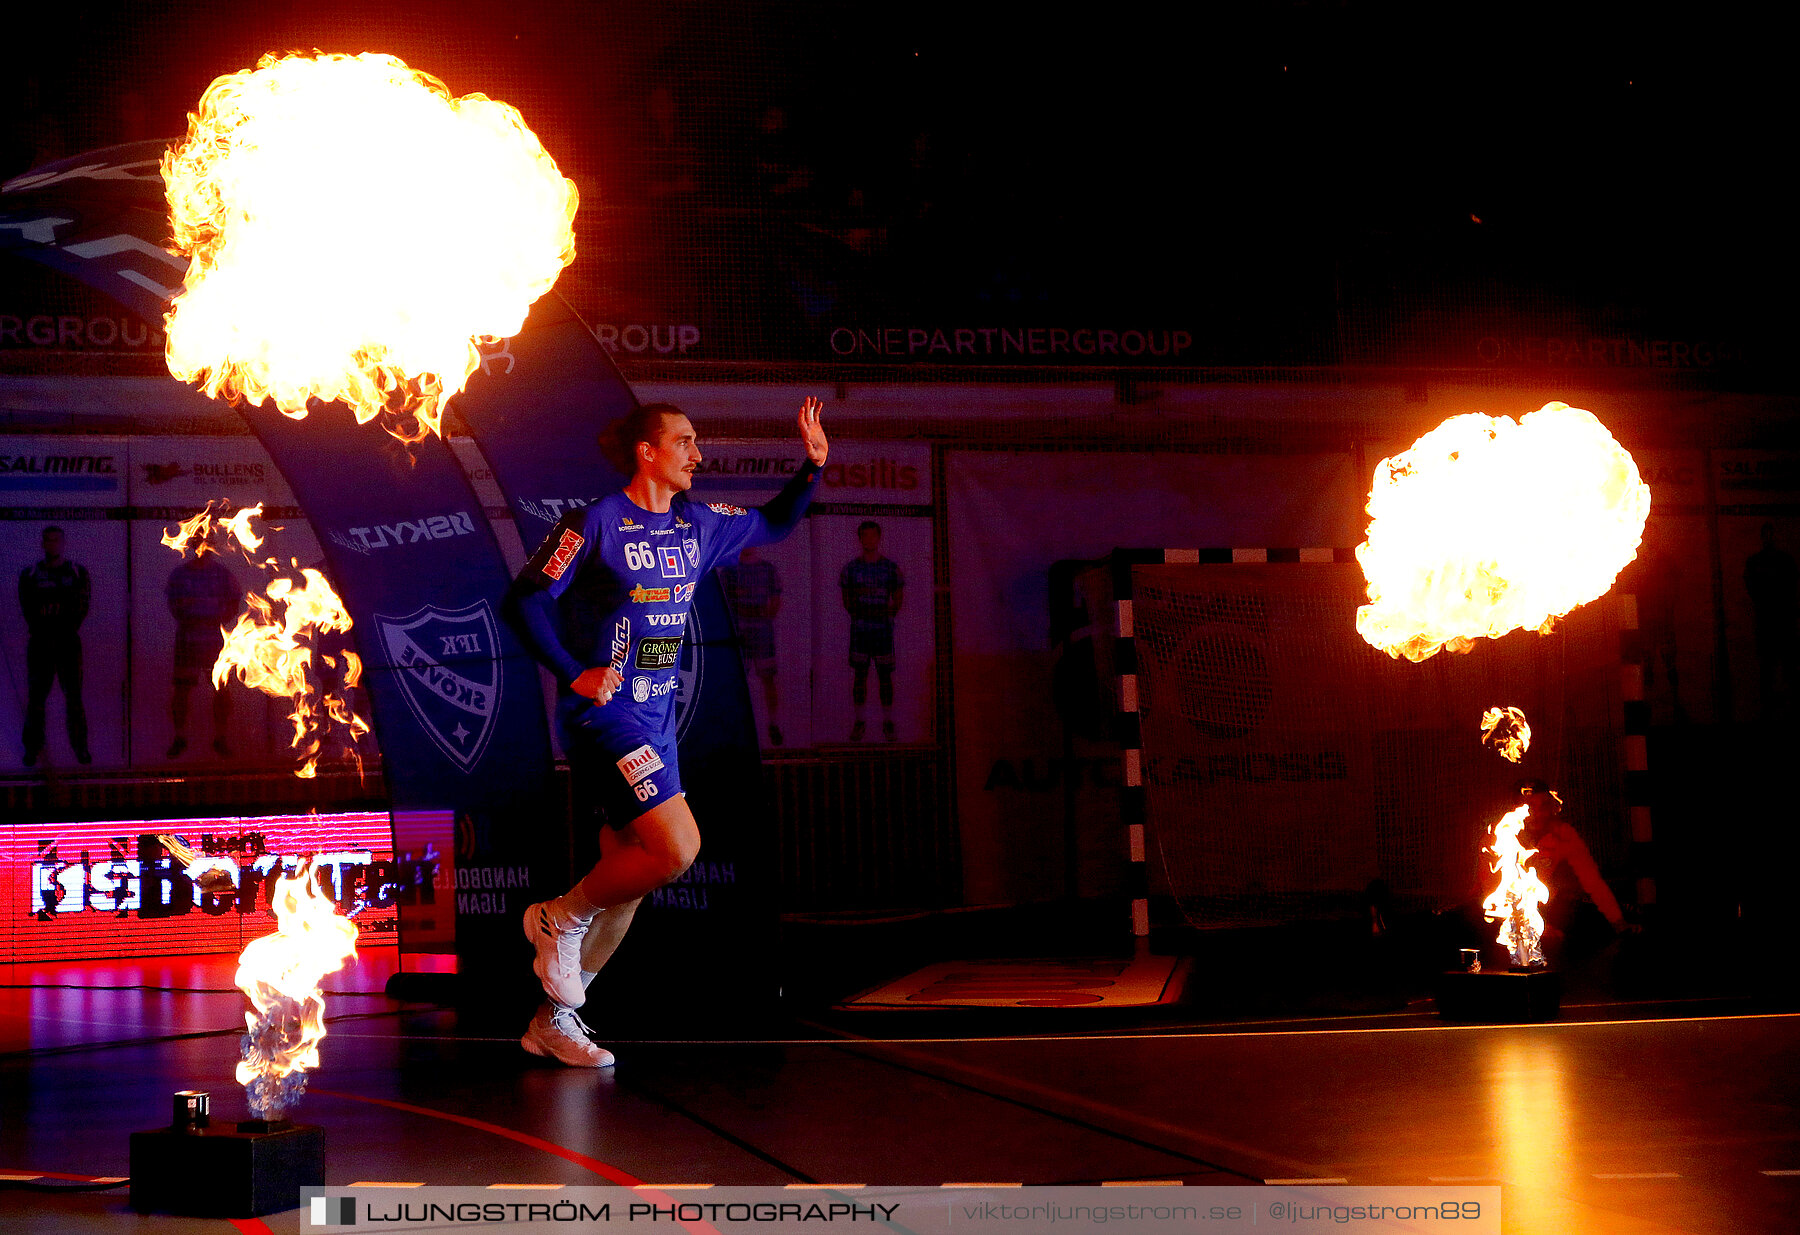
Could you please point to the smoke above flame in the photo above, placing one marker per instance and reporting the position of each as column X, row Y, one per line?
column 280, row 973
column 1504, row 730
column 355, row 232
column 1516, row 903
column 1489, row 525
column 279, row 645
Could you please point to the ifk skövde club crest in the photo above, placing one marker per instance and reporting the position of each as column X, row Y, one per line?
column 448, row 665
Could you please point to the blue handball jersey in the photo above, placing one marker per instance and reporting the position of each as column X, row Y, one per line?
column 622, row 580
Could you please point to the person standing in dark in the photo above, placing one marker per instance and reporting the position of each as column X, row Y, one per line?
column 873, row 588
column 1773, row 582
column 753, row 589
column 203, row 595
column 54, row 595
column 1579, row 895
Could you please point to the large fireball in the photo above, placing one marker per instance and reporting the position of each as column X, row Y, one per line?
column 355, row 232
column 1488, row 525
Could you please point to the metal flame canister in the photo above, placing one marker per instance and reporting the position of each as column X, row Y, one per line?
column 223, row 1170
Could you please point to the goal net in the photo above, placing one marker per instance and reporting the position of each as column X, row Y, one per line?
column 1287, row 765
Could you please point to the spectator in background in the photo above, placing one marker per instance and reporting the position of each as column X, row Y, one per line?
column 1653, row 577
column 203, row 596
column 54, row 595
column 672, row 165
column 1774, row 586
column 753, row 589
column 872, row 587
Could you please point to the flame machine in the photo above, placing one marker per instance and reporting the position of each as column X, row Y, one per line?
column 224, row 1170
column 258, row 1165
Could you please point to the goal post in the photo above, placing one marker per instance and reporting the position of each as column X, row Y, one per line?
column 1275, row 766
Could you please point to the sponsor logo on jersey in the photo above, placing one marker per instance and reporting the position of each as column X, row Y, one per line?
column 565, row 553
column 661, row 653
column 621, row 642
column 672, row 565
column 454, row 693
column 662, row 531
column 649, row 595
column 665, row 619
column 680, row 522
column 640, row 763
column 628, row 524
column 726, row 508
column 691, row 547
column 684, row 592
column 643, row 689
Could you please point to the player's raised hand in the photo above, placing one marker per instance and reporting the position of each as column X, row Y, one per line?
column 812, row 435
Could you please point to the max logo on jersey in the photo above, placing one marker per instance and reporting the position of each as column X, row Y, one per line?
column 641, row 595
column 454, row 697
column 566, row 549
column 640, row 763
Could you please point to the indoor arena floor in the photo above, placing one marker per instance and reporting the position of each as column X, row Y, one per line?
column 1615, row 1118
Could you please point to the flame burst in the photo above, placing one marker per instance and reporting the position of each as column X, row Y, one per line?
column 1488, row 525
column 1516, row 902
column 280, row 973
column 197, row 532
column 275, row 654
column 1505, row 730
column 355, row 232
column 271, row 649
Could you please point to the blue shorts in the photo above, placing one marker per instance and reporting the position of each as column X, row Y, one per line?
column 873, row 642
column 621, row 773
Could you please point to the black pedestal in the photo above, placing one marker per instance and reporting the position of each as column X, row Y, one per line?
column 1500, row 995
column 225, row 1170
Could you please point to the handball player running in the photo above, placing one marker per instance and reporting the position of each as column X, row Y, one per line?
column 603, row 603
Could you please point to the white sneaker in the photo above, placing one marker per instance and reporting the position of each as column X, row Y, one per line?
column 557, row 1033
column 558, row 960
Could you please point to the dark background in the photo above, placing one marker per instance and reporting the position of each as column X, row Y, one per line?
column 1295, row 183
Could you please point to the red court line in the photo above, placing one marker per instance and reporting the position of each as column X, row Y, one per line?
column 603, row 1169
column 248, row 1226
column 79, row 1179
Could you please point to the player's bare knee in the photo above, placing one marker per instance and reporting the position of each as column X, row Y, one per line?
column 680, row 855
